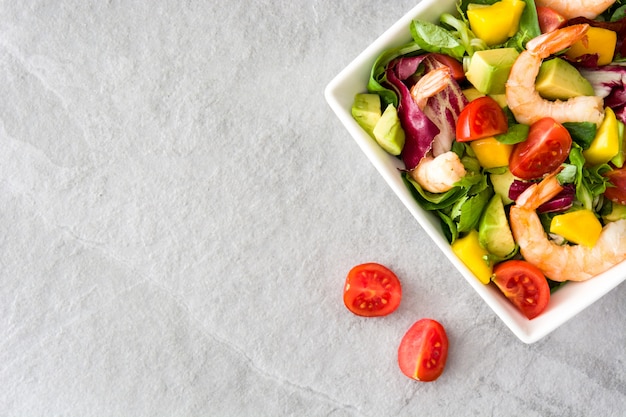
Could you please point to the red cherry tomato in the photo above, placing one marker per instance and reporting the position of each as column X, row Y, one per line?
column 524, row 285
column 617, row 193
column 423, row 350
column 456, row 68
column 481, row 118
column 549, row 19
column 545, row 149
column 372, row 290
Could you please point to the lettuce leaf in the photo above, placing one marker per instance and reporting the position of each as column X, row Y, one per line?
column 434, row 38
column 377, row 81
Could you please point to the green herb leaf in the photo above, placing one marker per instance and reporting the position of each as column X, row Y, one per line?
column 434, row 38
column 582, row 133
column 517, row 133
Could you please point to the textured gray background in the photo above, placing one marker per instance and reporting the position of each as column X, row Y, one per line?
column 179, row 208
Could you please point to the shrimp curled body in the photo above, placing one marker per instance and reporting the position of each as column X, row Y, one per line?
column 562, row 262
column 574, row 8
column 524, row 100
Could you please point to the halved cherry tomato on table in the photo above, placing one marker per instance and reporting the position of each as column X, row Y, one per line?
column 372, row 290
column 549, row 19
column 481, row 118
column 456, row 68
column 617, row 193
column 423, row 350
column 545, row 149
column 524, row 285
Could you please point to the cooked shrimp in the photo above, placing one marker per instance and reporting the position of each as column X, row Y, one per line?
column 439, row 174
column 431, row 83
column 574, row 8
column 562, row 262
column 524, row 100
column 435, row 174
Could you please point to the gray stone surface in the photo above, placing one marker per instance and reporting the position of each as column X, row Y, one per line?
column 180, row 208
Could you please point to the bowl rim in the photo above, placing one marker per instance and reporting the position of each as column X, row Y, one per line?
column 339, row 94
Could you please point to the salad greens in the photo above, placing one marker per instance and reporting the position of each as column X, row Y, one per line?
column 460, row 208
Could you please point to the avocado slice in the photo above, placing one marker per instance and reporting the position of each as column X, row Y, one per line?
column 488, row 70
column 366, row 111
column 559, row 80
column 388, row 131
column 618, row 212
column 494, row 232
column 501, row 184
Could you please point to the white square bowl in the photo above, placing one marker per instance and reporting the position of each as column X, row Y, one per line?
column 566, row 302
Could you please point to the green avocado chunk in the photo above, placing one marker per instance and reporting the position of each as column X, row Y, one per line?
column 559, row 80
column 494, row 232
column 501, row 184
column 388, row 131
column 488, row 70
column 366, row 111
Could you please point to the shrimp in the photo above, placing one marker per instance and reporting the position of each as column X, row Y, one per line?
column 524, row 100
column 439, row 174
column 435, row 174
column 562, row 262
column 574, row 8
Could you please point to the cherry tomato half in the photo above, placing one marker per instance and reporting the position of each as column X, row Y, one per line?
column 617, row 177
column 423, row 350
column 481, row 118
column 549, row 19
column 524, row 285
column 546, row 147
column 372, row 290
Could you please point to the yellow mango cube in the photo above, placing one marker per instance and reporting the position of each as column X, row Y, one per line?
column 495, row 23
column 472, row 254
column 599, row 41
column 581, row 227
column 606, row 143
column 491, row 153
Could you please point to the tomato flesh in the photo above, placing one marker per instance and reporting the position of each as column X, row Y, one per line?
column 549, row 19
column 617, row 193
column 423, row 350
column 545, row 149
column 372, row 290
column 524, row 285
column 481, row 118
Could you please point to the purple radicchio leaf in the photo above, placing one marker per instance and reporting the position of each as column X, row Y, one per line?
column 434, row 128
column 443, row 109
column 419, row 130
column 608, row 82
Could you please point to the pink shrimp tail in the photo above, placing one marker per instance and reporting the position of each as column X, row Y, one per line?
column 537, row 194
column 556, row 41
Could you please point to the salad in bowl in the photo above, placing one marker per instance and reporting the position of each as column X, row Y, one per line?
column 500, row 125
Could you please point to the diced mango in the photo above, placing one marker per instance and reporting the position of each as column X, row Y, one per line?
column 581, row 227
column 606, row 143
column 491, row 153
column 473, row 255
column 599, row 41
column 495, row 23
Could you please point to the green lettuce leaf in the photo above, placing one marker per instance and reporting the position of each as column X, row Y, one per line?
column 376, row 83
column 434, row 38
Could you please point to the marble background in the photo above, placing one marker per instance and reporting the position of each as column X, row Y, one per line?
column 179, row 208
